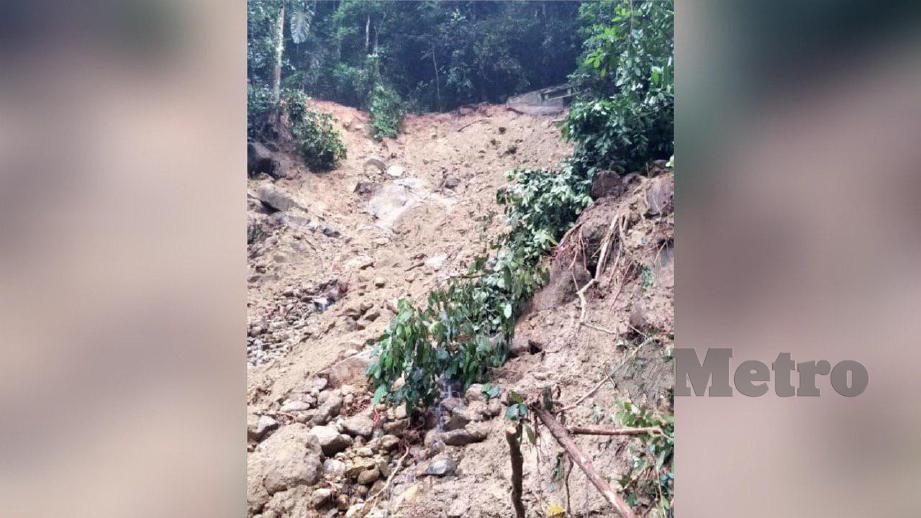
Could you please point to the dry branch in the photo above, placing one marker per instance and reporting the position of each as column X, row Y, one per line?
column 598, row 430
column 565, row 440
column 513, row 436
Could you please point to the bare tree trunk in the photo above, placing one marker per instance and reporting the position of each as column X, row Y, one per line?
column 437, row 88
column 562, row 436
column 368, row 35
column 279, row 51
column 513, row 436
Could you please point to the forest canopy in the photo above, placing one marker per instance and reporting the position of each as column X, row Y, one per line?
column 432, row 55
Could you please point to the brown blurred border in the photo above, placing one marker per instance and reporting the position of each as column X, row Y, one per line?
column 798, row 202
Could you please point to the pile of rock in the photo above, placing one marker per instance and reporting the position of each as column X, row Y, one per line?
column 335, row 460
column 286, row 324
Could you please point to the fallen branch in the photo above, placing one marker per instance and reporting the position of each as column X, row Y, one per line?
column 565, row 440
column 598, row 430
column 513, row 436
column 465, row 126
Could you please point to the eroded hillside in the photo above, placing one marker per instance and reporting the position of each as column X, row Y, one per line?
column 331, row 253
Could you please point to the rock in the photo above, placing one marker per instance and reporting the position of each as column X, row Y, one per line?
column 275, row 199
column 474, row 393
column 328, row 409
column 440, row 467
column 333, row 468
column 359, row 262
column 462, row 437
column 436, row 262
column 389, row 442
column 354, row 510
column 451, row 182
column 368, row 477
column 458, row 508
column 522, row 345
column 407, row 496
column 660, row 195
column 350, row 370
column 331, row 441
column 384, row 467
column 359, row 425
column 396, row 427
column 477, row 411
column 292, row 406
column 380, row 282
column 360, row 465
column 376, row 163
column 367, row 188
column 494, row 407
column 317, row 384
column 289, row 458
column 321, row 496
column 501, row 129
column 457, row 420
column 511, row 149
column 260, row 159
column 395, row 171
column 364, row 452
column 607, row 183
column 259, row 427
column 390, row 202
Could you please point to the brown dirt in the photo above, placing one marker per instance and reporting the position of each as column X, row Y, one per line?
column 574, row 358
column 456, row 224
column 296, row 264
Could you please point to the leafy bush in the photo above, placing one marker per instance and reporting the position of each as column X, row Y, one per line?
column 318, row 142
column 650, row 476
column 629, row 51
column 258, row 109
column 387, row 112
column 465, row 328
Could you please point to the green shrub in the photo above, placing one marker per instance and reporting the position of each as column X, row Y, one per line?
column 629, row 51
column 387, row 112
column 258, row 110
column 465, row 328
column 318, row 142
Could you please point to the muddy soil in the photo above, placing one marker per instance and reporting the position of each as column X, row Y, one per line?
column 331, row 253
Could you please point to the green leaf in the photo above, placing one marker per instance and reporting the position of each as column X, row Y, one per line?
column 379, row 394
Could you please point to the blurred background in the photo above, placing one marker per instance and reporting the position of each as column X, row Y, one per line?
column 798, row 207
column 122, row 262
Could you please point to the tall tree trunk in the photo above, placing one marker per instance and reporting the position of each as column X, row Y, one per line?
column 279, row 51
column 437, row 87
column 368, row 35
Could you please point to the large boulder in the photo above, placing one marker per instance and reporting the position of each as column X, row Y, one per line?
column 275, row 199
column 260, row 159
column 358, row 426
column 291, row 457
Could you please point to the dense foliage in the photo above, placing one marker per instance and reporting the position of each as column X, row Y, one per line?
column 317, row 141
column 624, row 117
column 650, row 475
column 423, row 55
